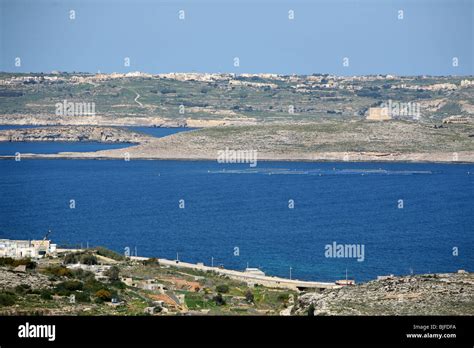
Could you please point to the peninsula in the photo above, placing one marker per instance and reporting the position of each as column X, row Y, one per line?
column 317, row 117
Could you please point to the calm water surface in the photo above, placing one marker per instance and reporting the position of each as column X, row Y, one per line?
column 136, row 204
column 51, row 147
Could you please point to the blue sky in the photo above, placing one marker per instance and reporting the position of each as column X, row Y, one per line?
column 258, row 32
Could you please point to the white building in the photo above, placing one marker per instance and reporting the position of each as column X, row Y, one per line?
column 18, row 249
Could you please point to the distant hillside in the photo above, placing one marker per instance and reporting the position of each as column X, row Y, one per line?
column 224, row 98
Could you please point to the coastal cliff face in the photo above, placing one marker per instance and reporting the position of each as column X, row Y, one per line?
column 428, row 294
column 74, row 133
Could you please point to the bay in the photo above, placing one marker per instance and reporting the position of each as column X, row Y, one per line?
column 227, row 206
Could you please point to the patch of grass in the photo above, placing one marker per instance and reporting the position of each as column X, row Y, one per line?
column 197, row 301
column 109, row 253
column 7, row 299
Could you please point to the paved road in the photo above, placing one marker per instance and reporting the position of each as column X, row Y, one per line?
column 248, row 277
column 136, row 99
column 275, row 282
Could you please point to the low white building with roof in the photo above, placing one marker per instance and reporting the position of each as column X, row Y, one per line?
column 18, row 249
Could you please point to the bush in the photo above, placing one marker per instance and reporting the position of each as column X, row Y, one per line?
column 311, row 310
column 109, row 253
column 84, row 258
column 82, row 274
column 249, row 296
column 118, row 284
column 151, row 262
column 219, row 300
column 73, row 285
column 113, row 273
column 222, row 288
column 88, row 259
column 71, row 258
column 27, row 262
column 7, row 299
column 83, row 297
column 93, row 285
column 22, row 289
column 58, row 271
column 6, row 261
column 103, row 295
column 65, row 288
column 283, row 297
column 46, row 295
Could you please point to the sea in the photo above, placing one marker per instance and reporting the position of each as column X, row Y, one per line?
column 282, row 217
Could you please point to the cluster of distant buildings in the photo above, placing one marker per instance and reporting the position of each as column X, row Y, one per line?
column 18, row 249
column 303, row 83
column 18, row 80
column 433, row 87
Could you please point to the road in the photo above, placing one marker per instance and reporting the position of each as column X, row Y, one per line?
column 136, row 99
column 248, row 278
column 251, row 279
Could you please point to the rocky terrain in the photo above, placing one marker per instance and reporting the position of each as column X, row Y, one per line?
column 317, row 141
column 71, row 133
column 144, row 288
column 428, row 294
column 317, row 117
column 102, row 282
column 12, row 279
column 110, row 120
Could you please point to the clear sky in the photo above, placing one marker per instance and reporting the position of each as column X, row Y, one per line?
column 258, row 32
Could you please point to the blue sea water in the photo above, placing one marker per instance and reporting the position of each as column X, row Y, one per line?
column 10, row 126
column 48, row 147
column 159, row 132
column 136, row 204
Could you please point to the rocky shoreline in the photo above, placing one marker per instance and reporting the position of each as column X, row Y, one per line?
column 426, row 294
column 74, row 134
column 422, row 294
column 111, row 121
column 440, row 158
column 316, row 142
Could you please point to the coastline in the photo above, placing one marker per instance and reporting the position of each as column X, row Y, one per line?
column 320, row 158
column 358, row 141
column 246, row 277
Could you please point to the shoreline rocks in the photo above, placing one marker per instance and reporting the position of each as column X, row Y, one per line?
column 73, row 134
column 426, row 294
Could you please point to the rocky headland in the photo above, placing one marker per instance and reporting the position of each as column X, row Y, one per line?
column 427, row 294
column 75, row 133
column 351, row 141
